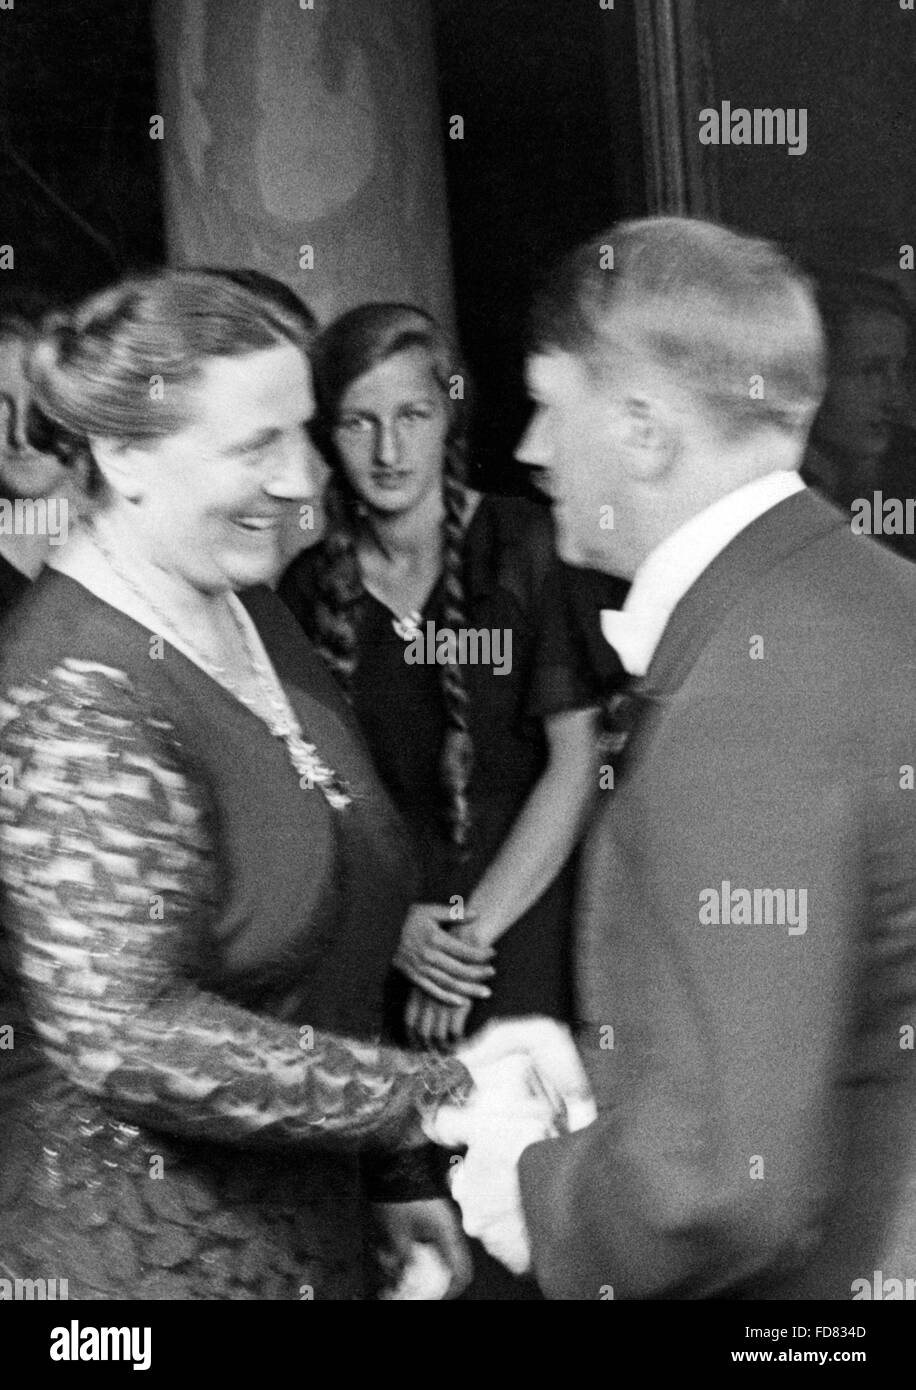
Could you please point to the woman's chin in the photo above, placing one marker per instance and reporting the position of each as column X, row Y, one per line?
column 392, row 504
column 247, row 571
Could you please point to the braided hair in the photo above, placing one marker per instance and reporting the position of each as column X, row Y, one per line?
column 354, row 344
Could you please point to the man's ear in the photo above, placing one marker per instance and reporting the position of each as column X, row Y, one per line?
column 121, row 465
column 650, row 436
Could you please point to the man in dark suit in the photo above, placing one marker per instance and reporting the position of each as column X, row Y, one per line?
column 747, row 922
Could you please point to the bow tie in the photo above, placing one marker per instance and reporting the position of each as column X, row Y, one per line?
column 627, row 634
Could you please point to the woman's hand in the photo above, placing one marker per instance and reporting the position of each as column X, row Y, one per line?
column 449, row 966
column 434, row 1222
column 431, row 1024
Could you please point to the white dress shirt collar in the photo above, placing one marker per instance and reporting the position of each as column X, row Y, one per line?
column 664, row 577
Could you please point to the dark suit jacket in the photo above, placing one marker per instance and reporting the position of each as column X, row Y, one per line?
column 757, row 1097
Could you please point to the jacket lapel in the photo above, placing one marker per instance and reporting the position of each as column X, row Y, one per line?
column 786, row 528
column 761, row 547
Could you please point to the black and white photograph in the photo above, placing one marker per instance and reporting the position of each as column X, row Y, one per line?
column 457, row 670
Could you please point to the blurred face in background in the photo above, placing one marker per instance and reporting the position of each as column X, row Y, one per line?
column 24, row 472
column 865, row 390
column 389, row 433
column 209, row 502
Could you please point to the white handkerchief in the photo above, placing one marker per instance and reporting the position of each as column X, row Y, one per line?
column 629, row 637
column 425, row 1277
column 529, row 1085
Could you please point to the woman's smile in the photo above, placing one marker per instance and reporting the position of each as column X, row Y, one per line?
column 256, row 524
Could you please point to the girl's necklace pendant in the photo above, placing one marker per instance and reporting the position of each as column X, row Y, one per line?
column 408, row 627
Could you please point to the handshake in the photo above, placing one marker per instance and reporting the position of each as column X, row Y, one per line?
column 529, row 1085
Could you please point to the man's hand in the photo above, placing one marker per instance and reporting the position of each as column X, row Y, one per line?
column 405, row 1225
column 449, row 966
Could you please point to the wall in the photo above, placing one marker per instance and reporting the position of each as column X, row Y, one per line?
column 287, row 126
column 78, row 171
column 852, row 64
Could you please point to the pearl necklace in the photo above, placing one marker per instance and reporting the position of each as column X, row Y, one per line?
column 273, row 708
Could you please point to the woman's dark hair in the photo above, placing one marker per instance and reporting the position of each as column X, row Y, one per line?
column 275, row 292
column 124, row 363
column 354, row 344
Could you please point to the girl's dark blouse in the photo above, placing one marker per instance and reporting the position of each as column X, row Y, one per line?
column 514, row 586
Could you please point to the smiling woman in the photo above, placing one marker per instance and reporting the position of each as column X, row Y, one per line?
column 203, row 877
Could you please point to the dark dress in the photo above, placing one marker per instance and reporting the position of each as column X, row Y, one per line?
column 194, row 935
column 509, row 578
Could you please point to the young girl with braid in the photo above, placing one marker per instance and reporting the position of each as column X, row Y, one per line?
column 494, row 768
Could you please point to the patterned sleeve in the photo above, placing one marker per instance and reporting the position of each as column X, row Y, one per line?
column 110, row 881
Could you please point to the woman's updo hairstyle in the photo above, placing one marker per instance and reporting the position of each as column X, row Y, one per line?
column 122, row 365
column 353, row 345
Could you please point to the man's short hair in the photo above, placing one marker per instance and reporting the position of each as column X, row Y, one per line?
column 728, row 316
